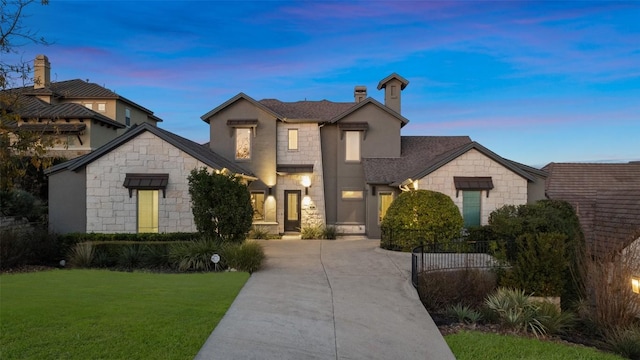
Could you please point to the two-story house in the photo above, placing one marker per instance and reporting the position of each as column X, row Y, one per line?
column 79, row 116
column 306, row 163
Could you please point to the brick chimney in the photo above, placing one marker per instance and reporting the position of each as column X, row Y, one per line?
column 360, row 93
column 41, row 72
column 393, row 85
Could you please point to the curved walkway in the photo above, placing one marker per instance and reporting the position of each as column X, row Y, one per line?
column 327, row 299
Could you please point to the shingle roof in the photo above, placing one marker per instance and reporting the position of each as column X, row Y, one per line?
column 417, row 152
column 199, row 152
column 321, row 111
column 605, row 196
column 304, row 111
column 54, row 128
column 79, row 89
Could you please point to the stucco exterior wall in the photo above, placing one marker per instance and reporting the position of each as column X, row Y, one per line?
column 509, row 187
column 67, row 202
column 309, row 152
column 109, row 207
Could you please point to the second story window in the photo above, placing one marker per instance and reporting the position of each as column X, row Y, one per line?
column 102, row 107
column 352, row 148
column 243, row 144
column 127, row 117
column 293, row 139
column 88, row 106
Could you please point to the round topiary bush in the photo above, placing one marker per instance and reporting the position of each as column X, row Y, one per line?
column 420, row 216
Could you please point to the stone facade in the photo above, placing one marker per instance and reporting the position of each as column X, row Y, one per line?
column 309, row 152
column 109, row 207
column 509, row 187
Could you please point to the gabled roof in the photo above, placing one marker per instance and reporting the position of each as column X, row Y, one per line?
column 197, row 151
column 605, row 196
column 238, row 97
column 305, row 111
column 416, row 153
column 80, row 89
column 366, row 102
column 403, row 81
column 437, row 162
column 318, row 111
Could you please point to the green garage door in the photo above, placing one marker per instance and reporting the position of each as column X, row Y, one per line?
column 471, row 208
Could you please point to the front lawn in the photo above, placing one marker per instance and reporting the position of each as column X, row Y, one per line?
column 100, row 314
column 487, row 346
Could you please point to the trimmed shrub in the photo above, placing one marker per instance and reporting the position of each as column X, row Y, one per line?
column 221, row 205
column 28, row 246
column 509, row 222
column 540, row 264
column 247, row 256
column 419, row 216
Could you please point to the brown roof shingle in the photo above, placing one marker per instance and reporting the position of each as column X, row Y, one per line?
column 320, row 111
column 606, row 198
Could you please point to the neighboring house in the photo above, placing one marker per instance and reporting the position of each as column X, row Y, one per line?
column 606, row 198
column 135, row 183
column 307, row 163
column 80, row 115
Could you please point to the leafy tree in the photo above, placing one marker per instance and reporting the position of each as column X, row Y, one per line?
column 221, row 205
column 18, row 149
column 420, row 216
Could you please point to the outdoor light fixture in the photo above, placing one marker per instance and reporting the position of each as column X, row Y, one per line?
column 270, row 191
column 306, row 182
column 635, row 284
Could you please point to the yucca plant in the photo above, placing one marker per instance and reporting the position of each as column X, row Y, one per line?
column 515, row 310
column 552, row 319
column 82, row 255
column 311, row 232
column 464, row 313
column 130, row 257
column 193, row 256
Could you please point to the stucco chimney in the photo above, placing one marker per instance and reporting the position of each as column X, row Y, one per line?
column 360, row 93
column 393, row 85
column 41, row 72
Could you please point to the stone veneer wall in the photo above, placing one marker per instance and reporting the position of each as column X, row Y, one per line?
column 109, row 207
column 309, row 152
column 509, row 188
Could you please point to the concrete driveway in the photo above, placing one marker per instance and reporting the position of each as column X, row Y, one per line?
column 327, row 299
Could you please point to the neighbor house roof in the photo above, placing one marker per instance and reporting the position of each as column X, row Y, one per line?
column 606, row 198
column 422, row 155
column 80, row 89
column 197, row 151
column 32, row 108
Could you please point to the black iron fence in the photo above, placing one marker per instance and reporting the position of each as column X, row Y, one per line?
column 451, row 255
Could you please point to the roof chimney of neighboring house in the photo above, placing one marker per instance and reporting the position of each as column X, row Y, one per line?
column 41, row 72
column 393, row 85
column 360, row 93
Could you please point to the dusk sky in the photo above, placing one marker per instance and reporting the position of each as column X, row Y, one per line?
column 535, row 82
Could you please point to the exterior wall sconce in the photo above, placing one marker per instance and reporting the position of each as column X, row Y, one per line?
column 270, row 191
column 635, row 284
column 306, row 182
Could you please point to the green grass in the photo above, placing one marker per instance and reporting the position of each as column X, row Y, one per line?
column 486, row 346
column 99, row 314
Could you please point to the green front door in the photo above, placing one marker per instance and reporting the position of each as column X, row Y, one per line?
column 471, row 208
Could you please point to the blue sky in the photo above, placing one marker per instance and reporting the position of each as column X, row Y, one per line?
column 535, row 82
